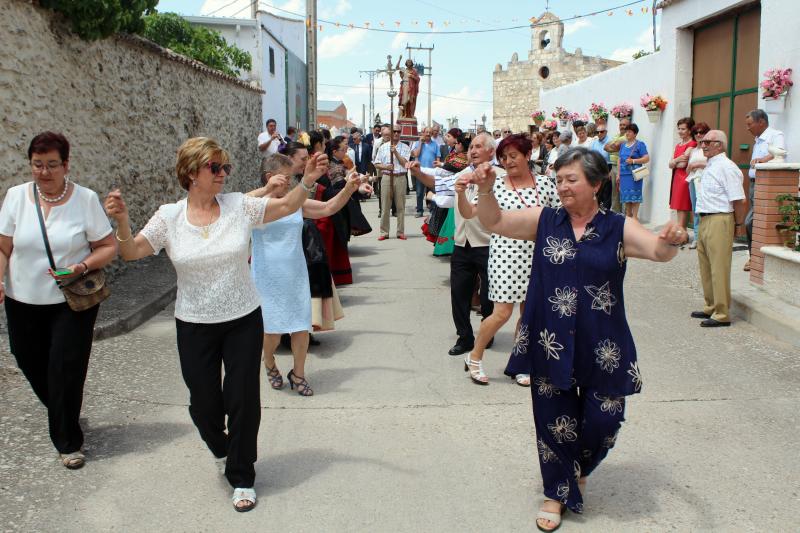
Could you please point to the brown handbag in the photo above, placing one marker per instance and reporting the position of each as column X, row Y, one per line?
column 83, row 292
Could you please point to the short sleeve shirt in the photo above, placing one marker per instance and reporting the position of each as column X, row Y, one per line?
column 214, row 281
column 70, row 228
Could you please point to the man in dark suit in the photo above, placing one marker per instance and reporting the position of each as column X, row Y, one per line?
column 370, row 138
column 362, row 152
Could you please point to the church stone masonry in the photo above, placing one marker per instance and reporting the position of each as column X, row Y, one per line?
column 516, row 89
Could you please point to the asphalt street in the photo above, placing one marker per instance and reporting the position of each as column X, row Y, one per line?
column 398, row 439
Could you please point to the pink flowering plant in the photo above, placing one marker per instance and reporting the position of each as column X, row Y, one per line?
column 550, row 124
column 583, row 117
column 623, row 110
column 653, row 102
column 538, row 115
column 562, row 113
column 598, row 111
column 777, row 83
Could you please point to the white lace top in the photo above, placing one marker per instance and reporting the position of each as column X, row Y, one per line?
column 214, row 282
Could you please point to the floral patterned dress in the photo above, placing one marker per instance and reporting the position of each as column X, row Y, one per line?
column 575, row 342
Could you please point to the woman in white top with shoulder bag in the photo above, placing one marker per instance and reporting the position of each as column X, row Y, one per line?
column 53, row 234
column 217, row 311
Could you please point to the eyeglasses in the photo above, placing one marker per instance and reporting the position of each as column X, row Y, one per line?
column 216, row 167
column 395, row 131
column 601, row 131
column 496, row 135
column 706, row 143
column 40, row 166
column 506, row 131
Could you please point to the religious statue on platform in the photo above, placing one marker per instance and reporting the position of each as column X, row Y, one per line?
column 409, row 87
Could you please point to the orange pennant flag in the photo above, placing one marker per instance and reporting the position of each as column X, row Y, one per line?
column 430, row 24
column 610, row 13
column 350, row 25
column 397, row 23
column 381, row 23
column 366, row 25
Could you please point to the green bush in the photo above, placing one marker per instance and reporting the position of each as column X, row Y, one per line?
column 207, row 46
column 96, row 19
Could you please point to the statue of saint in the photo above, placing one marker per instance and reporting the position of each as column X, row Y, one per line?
column 409, row 87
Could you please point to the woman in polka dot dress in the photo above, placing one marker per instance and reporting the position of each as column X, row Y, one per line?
column 510, row 259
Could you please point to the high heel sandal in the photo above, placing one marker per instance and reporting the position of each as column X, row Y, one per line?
column 303, row 388
column 274, row 377
column 477, row 376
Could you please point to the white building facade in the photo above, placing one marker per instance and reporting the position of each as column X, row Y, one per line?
column 277, row 48
column 712, row 58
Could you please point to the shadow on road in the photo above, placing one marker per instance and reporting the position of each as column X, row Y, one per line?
column 115, row 440
column 285, row 471
column 329, row 380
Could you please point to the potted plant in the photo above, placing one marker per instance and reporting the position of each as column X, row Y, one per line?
column 774, row 89
column 599, row 113
column 789, row 227
column 563, row 115
column 623, row 110
column 551, row 125
column 654, row 105
column 538, row 117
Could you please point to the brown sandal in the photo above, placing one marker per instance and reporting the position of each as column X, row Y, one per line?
column 74, row 460
column 303, row 388
column 274, row 377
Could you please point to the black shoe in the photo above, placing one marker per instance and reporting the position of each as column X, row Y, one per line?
column 459, row 349
column 711, row 323
column 699, row 314
column 490, row 343
column 312, row 341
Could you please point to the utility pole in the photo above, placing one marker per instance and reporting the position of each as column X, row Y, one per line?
column 427, row 72
column 371, row 74
column 311, row 61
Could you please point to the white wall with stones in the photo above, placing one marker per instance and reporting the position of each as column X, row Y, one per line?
column 125, row 105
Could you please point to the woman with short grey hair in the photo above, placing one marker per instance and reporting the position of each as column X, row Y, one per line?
column 574, row 337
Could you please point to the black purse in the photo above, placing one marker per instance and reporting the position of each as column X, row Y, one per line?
column 85, row 291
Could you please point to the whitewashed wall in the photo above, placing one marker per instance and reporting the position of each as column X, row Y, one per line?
column 669, row 72
column 291, row 32
column 780, row 47
column 627, row 83
column 273, row 102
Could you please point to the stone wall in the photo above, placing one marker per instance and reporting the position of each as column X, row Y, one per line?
column 124, row 103
column 516, row 89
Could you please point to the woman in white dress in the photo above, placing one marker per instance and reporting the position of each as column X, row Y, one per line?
column 217, row 310
column 509, row 259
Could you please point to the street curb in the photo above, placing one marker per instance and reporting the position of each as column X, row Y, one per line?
column 766, row 313
column 135, row 317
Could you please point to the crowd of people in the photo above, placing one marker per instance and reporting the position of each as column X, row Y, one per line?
column 543, row 222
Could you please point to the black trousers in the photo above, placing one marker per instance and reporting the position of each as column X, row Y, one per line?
column 203, row 350
column 466, row 265
column 51, row 344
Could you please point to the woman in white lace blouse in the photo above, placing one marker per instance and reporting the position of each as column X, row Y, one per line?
column 217, row 311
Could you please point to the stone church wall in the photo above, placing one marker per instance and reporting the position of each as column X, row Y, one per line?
column 516, row 88
column 124, row 103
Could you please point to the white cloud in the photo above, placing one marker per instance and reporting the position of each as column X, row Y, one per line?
column 576, row 26
column 341, row 7
column 399, row 41
column 340, row 44
column 644, row 41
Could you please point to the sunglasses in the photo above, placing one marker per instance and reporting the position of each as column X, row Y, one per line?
column 216, row 167
column 601, row 131
column 395, row 131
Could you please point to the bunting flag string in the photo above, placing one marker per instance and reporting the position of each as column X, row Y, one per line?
column 435, row 26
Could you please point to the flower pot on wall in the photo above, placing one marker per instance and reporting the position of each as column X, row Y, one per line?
column 775, row 106
column 654, row 115
column 538, row 122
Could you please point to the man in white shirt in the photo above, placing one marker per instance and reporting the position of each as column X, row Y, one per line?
column 470, row 259
column 270, row 140
column 391, row 162
column 757, row 123
column 721, row 205
column 436, row 134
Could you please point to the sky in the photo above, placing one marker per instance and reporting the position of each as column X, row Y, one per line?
column 462, row 64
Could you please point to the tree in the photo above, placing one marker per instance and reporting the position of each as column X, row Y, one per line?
column 96, row 19
column 207, row 46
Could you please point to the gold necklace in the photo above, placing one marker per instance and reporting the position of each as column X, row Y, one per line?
column 205, row 231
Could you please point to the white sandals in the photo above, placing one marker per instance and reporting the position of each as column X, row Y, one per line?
column 552, row 517
column 477, row 375
column 523, row 380
column 244, row 495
